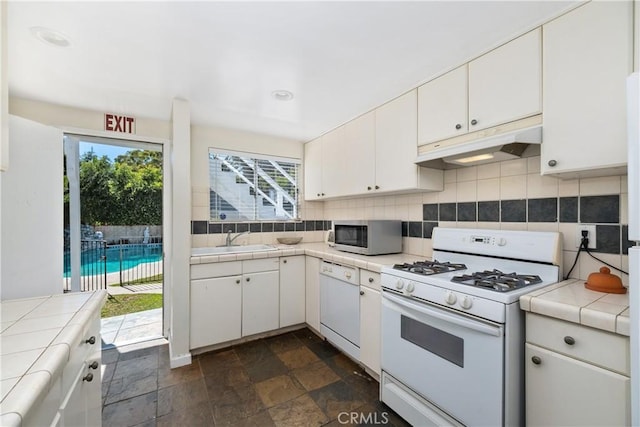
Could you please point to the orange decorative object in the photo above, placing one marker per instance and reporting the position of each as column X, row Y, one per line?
column 604, row 281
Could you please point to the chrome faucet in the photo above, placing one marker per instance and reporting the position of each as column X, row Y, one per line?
column 230, row 239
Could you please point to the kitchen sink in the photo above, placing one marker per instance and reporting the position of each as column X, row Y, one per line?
column 234, row 249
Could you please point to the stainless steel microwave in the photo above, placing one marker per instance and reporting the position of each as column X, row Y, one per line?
column 368, row 237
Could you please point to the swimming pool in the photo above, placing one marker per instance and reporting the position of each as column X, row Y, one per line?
column 132, row 256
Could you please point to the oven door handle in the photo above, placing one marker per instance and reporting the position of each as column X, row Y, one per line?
column 442, row 315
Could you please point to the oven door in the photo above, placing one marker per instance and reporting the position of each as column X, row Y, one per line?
column 452, row 360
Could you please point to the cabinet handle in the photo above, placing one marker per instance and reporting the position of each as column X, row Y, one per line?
column 247, row 279
column 88, row 378
column 237, row 280
column 361, row 292
column 91, row 341
column 370, row 279
column 318, row 194
column 569, row 340
column 322, row 194
column 552, row 163
column 536, row 360
column 474, row 122
column 377, row 187
column 458, row 126
column 369, row 188
column 284, row 260
column 94, row 365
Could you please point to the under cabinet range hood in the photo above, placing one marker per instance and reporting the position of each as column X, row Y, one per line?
column 487, row 149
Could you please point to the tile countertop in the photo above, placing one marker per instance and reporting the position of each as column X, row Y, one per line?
column 36, row 336
column 319, row 250
column 569, row 300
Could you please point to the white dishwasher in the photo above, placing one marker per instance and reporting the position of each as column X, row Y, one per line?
column 340, row 307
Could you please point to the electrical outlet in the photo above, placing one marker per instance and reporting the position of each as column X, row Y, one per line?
column 591, row 230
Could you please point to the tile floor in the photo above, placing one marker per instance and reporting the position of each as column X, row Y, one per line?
column 131, row 328
column 293, row 379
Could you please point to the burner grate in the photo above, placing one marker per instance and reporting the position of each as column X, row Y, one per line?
column 497, row 280
column 427, row 268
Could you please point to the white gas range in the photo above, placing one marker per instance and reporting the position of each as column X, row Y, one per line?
column 452, row 328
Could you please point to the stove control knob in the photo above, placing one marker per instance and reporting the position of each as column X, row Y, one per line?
column 450, row 298
column 411, row 287
column 400, row 284
column 502, row 241
column 466, row 302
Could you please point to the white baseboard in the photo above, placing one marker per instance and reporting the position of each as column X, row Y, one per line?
column 177, row 361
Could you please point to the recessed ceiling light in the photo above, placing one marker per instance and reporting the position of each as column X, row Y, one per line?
column 50, row 37
column 282, row 95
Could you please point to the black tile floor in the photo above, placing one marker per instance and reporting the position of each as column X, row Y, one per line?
column 293, row 379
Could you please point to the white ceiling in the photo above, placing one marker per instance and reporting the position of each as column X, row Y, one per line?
column 340, row 59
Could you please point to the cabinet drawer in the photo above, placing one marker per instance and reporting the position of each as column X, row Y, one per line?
column 216, row 269
column 370, row 279
column 263, row 264
column 601, row 348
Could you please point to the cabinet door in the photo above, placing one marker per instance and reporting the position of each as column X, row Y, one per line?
column 312, row 292
column 505, row 84
column 260, row 302
column 313, row 169
column 73, row 405
column 358, row 175
column 334, row 163
column 396, row 143
column 587, row 57
column 564, row 391
column 442, row 107
column 370, row 309
column 216, row 307
column 292, row 303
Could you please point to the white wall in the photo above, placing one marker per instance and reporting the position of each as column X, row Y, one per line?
column 180, row 236
column 32, row 214
column 4, row 89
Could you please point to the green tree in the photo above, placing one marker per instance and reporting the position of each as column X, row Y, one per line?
column 137, row 187
column 125, row 192
column 96, row 174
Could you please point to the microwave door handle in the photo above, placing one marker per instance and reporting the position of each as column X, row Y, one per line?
column 442, row 315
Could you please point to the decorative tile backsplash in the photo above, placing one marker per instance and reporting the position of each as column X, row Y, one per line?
column 509, row 195
column 599, row 210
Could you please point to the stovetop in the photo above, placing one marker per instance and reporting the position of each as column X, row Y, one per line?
column 427, row 268
column 497, row 281
column 478, row 279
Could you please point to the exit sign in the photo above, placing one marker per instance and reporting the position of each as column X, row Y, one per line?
column 115, row 123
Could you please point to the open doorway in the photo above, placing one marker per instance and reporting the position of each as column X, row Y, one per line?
column 113, row 232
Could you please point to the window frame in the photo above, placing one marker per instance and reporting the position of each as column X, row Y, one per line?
column 213, row 151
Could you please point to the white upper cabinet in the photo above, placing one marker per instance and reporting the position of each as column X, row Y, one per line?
column 396, row 144
column 587, row 58
column 374, row 153
column 358, row 147
column 334, row 163
column 505, row 84
column 501, row 86
column 443, row 107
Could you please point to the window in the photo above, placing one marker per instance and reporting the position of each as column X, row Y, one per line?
column 247, row 187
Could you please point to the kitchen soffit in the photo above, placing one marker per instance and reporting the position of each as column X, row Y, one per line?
column 339, row 59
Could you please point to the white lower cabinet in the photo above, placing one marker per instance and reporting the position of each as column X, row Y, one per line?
column 243, row 300
column 575, row 375
column 370, row 315
column 370, row 301
column 215, row 310
column 312, row 292
column 292, row 290
column 260, row 302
